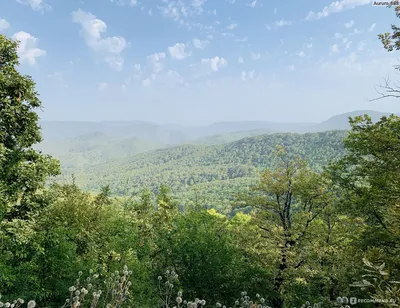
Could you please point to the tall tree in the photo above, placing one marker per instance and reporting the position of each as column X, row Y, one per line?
column 22, row 169
column 287, row 200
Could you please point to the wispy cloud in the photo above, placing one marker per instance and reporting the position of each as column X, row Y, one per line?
column 334, row 49
column 283, row 22
column 4, row 24
column 252, row 4
column 372, row 27
column 336, row 7
column 349, row 24
column 301, row 54
column 255, row 56
column 36, row 5
column 231, row 26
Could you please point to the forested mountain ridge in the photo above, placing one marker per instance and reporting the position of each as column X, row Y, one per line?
column 188, row 168
column 89, row 143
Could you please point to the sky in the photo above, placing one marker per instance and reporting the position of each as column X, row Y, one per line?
column 201, row 61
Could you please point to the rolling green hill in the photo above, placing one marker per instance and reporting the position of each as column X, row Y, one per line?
column 194, row 171
column 79, row 144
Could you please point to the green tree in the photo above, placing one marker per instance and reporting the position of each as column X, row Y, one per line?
column 287, row 201
column 391, row 41
column 22, row 169
column 368, row 177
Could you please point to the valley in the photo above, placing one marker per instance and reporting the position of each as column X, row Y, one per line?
column 130, row 157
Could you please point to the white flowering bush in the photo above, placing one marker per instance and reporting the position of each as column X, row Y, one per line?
column 93, row 292
column 17, row 303
column 168, row 298
column 113, row 292
column 246, row 302
column 166, row 286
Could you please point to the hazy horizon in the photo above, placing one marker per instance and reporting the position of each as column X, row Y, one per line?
column 210, row 123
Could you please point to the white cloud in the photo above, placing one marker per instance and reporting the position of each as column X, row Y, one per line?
column 346, row 43
column 137, row 68
column 242, row 40
column 309, row 45
column 349, row 24
column 283, row 22
column 199, row 43
column 336, row 7
column 334, row 48
column 275, row 11
column 252, row 4
column 255, row 56
column 215, row 62
column 240, row 60
column 28, row 50
column 198, row 4
column 178, row 51
column 131, row 3
column 181, row 10
column 338, row 35
column 146, row 82
column 92, row 29
column 156, row 61
column 356, row 31
column 4, row 24
column 231, row 26
column 268, row 27
column 115, row 62
column 102, row 86
column 372, row 27
column 291, row 67
column 301, row 54
column 245, row 76
column 361, row 45
column 36, row 5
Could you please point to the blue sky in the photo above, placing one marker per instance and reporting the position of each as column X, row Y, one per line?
column 202, row 61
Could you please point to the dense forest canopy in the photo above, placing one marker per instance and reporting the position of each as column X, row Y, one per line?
column 314, row 219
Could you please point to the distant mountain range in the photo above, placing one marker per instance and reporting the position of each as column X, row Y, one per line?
column 80, row 144
column 178, row 134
